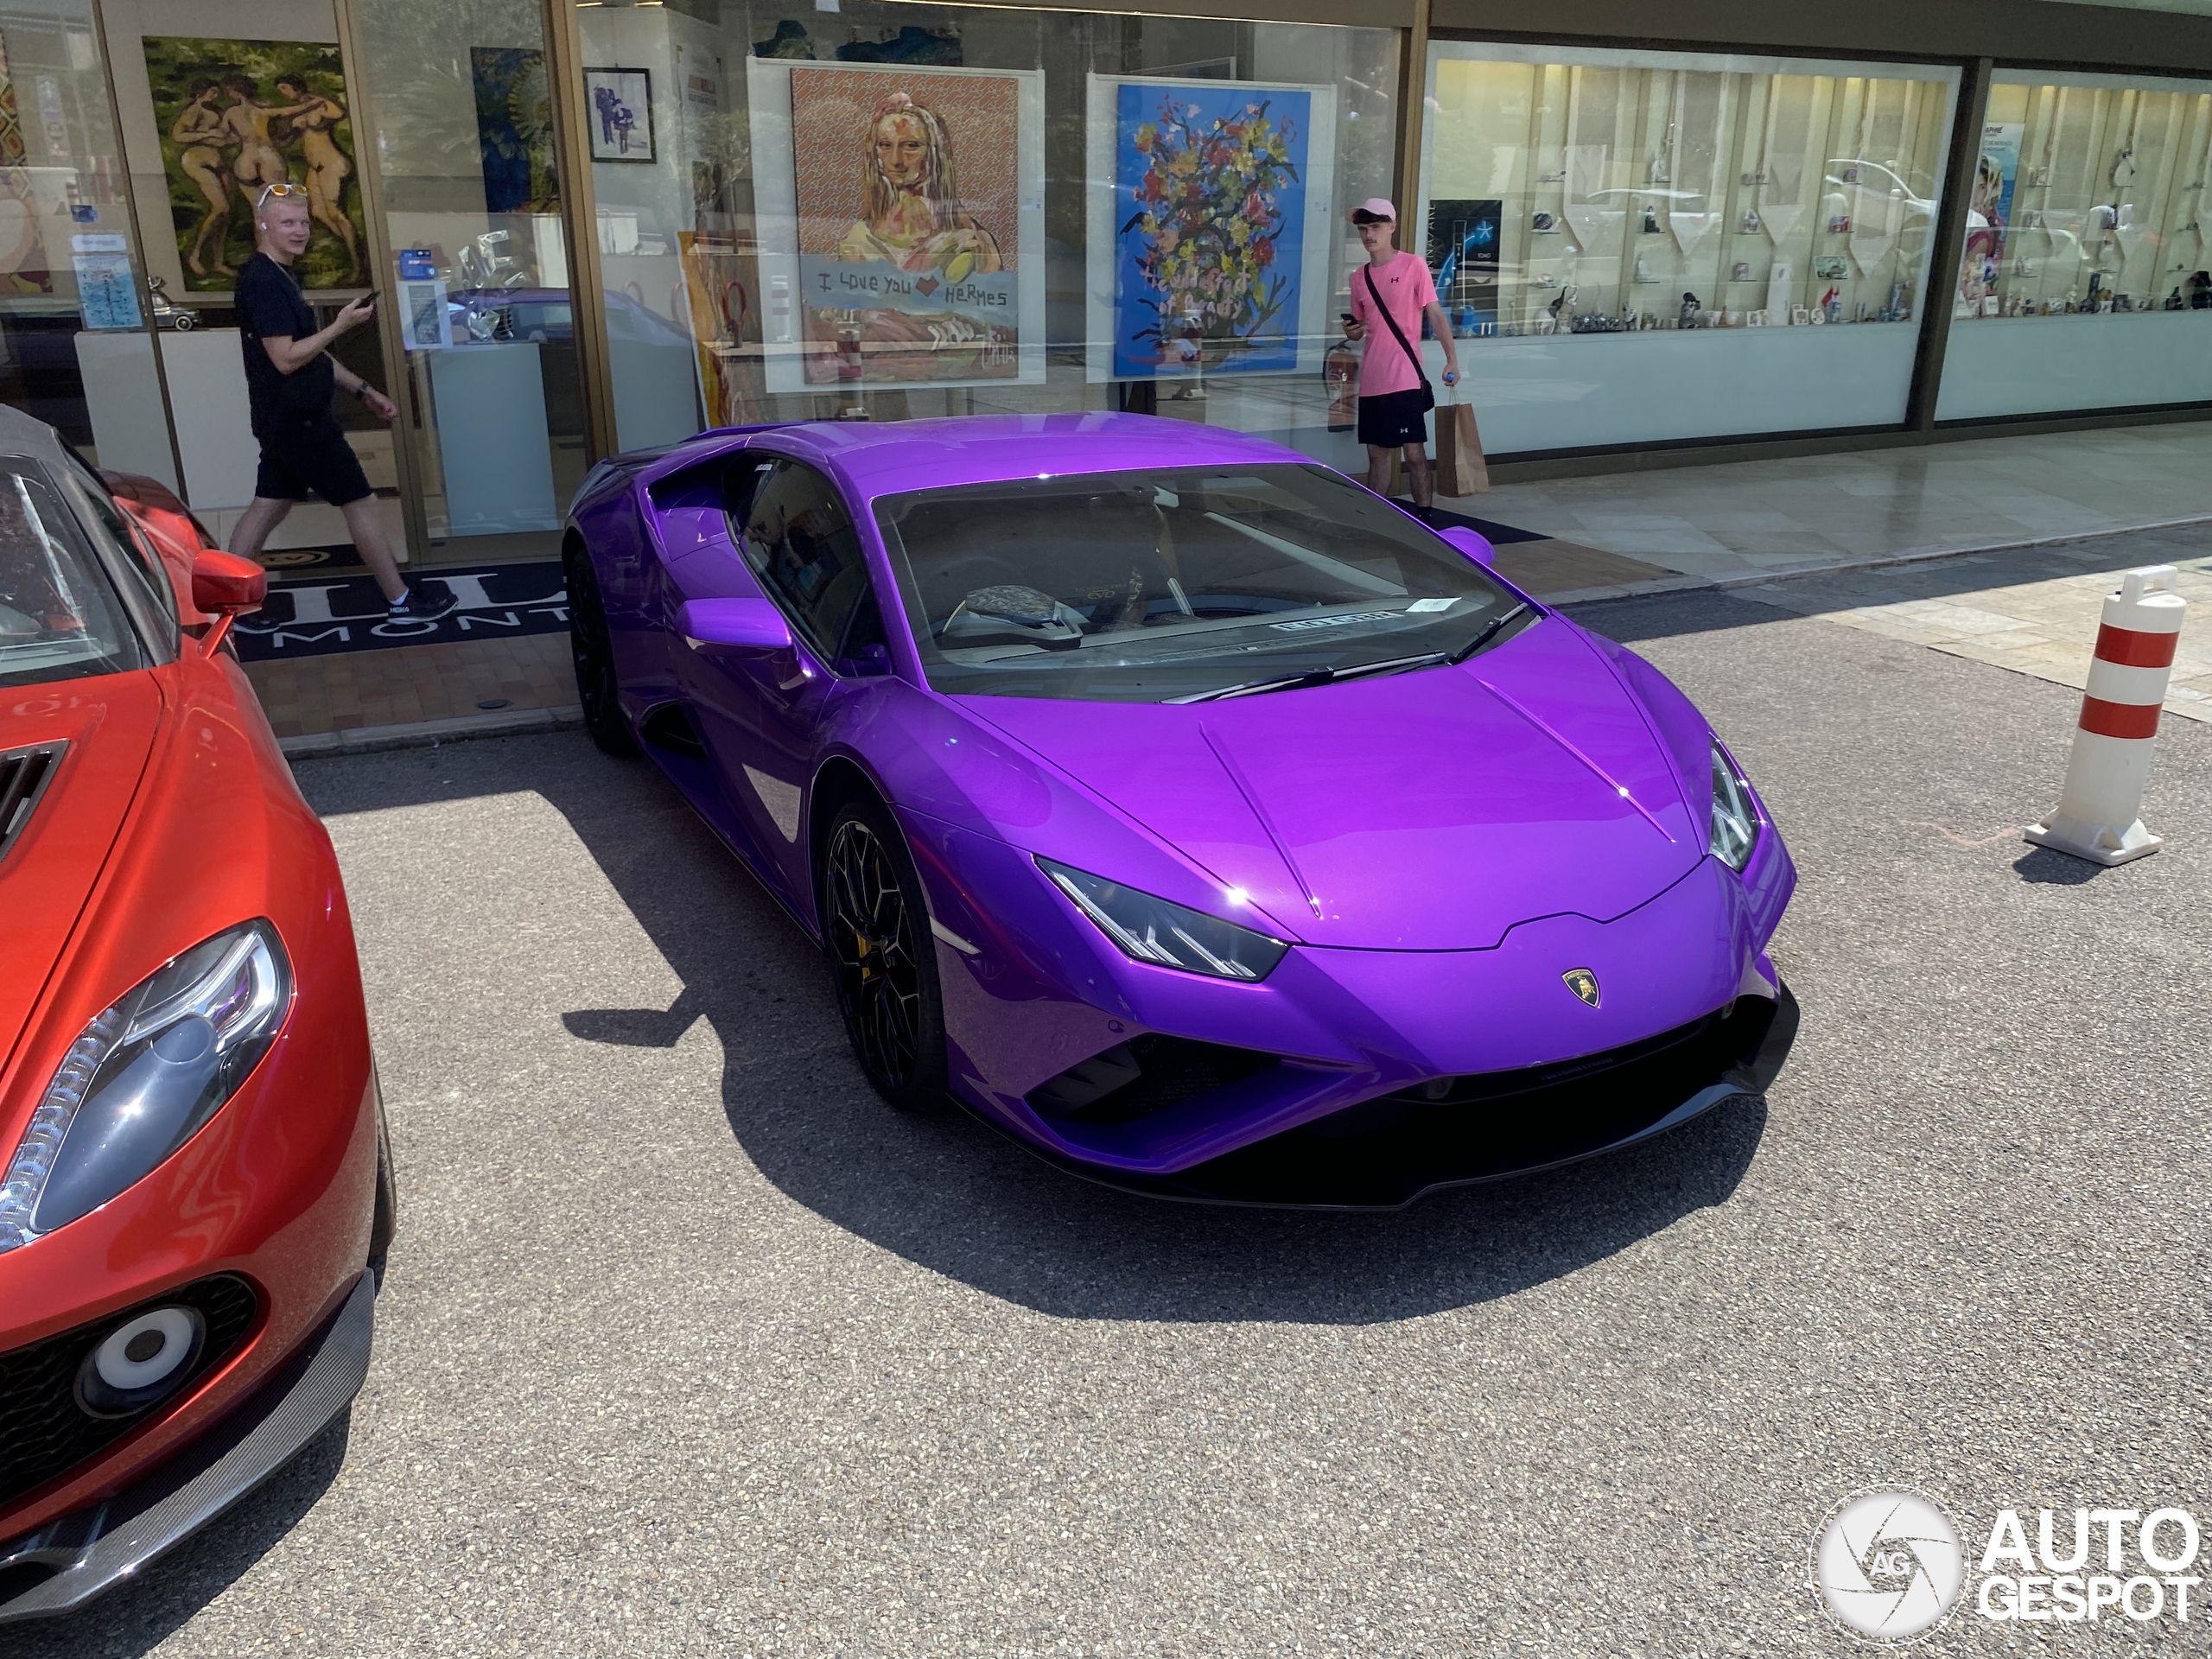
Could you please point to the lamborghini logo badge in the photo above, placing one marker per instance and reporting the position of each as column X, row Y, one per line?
column 1583, row 983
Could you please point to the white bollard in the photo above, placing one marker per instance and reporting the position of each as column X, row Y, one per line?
column 2100, row 810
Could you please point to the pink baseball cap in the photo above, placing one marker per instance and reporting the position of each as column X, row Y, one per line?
column 1372, row 209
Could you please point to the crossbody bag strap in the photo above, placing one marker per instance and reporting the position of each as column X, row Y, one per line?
column 1399, row 333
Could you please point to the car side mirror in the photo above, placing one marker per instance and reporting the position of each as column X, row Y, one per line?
column 1473, row 544
column 225, row 587
column 747, row 624
column 224, row 584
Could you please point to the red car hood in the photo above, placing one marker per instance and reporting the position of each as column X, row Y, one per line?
column 109, row 724
column 1424, row 811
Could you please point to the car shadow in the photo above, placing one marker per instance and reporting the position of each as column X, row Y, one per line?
column 139, row 1615
column 958, row 1196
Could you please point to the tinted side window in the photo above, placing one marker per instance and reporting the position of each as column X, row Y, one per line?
column 59, row 616
column 800, row 543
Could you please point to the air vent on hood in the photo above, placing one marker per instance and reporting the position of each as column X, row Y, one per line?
column 24, row 774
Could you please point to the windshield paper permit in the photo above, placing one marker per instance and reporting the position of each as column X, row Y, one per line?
column 1332, row 621
column 1420, row 606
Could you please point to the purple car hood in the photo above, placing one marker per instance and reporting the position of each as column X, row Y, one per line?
column 1430, row 810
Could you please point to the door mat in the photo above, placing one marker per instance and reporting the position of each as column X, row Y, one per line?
column 290, row 561
column 305, row 616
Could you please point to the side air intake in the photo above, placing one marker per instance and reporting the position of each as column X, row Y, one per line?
column 24, row 774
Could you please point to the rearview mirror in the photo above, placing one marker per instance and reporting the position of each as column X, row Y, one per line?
column 1473, row 544
column 748, row 623
column 224, row 584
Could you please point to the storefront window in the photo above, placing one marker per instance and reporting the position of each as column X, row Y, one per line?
column 911, row 210
column 216, row 104
column 74, row 347
column 461, row 101
column 2086, row 278
column 1639, row 246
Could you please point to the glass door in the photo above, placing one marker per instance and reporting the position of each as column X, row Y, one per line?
column 75, row 349
column 216, row 104
column 468, row 200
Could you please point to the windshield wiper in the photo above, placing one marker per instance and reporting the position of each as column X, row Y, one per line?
column 1488, row 634
column 1315, row 677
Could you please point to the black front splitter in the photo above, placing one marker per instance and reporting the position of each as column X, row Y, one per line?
column 1384, row 1155
column 92, row 1550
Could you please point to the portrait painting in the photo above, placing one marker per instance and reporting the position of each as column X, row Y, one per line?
column 1205, row 209
column 237, row 116
column 619, row 114
column 913, row 265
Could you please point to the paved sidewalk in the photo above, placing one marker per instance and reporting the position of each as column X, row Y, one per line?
column 413, row 695
column 2034, row 611
column 1748, row 519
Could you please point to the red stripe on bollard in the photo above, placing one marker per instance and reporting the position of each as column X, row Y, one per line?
column 2132, row 648
column 2120, row 719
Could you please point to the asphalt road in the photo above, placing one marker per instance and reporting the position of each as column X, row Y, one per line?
column 689, row 1346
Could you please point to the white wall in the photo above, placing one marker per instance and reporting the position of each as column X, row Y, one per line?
column 1568, row 391
column 2025, row 365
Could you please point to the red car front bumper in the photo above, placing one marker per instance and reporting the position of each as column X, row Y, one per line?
column 279, row 1191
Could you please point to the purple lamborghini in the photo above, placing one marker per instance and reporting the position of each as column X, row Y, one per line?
column 1183, row 809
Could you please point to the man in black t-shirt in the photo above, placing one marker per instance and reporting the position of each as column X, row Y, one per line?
column 289, row 379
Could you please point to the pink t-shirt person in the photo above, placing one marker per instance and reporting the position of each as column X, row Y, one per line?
column 1406, row 290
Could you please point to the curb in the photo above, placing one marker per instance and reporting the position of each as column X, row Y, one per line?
column 429, row 733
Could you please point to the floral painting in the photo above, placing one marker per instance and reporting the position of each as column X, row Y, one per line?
column 1210, row 225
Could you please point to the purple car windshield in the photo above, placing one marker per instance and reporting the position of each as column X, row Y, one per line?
column 1171, row 584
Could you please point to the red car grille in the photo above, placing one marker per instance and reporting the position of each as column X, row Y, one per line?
column 45, row 1433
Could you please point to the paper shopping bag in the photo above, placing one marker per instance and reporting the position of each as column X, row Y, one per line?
column 1460, row 468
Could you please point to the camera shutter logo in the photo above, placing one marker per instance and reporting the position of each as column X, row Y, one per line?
column 1888, row 1564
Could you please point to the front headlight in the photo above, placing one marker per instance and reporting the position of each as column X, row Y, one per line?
column 144, row 1077
column 1735, row 820
column 1152, row 929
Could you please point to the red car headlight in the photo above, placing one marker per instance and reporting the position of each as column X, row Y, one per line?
column 144, row 1077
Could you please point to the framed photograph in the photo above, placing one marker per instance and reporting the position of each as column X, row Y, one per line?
column 619, row 114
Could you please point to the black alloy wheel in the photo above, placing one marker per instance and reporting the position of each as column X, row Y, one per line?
column 875, row 927
column 593, row 653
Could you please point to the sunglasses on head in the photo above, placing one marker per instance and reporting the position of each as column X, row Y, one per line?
column 280, row 191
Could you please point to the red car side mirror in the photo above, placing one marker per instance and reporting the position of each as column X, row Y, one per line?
column 225, row 587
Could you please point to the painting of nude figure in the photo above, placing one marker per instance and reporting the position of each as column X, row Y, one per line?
column 237, row 116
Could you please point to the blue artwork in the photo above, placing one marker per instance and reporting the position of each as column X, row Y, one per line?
column 1209, row 227
column 514, row 129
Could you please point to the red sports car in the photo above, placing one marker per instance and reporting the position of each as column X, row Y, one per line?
column 195, row 1186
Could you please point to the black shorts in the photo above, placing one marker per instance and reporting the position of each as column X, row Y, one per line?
column 304, row 458
column 1394, row 419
